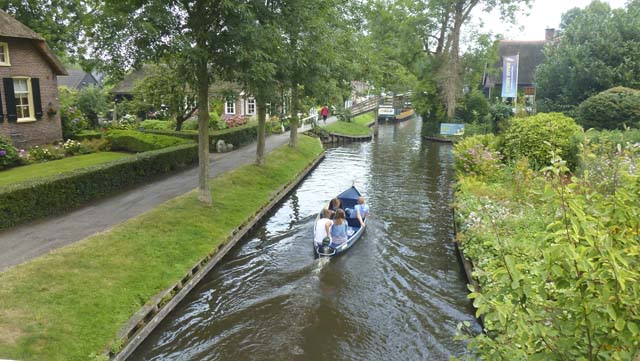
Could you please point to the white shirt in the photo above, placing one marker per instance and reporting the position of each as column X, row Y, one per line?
column 320, row 230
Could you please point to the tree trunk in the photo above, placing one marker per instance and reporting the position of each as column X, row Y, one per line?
column 204, row 194
column 262, row 131
column 179, row 121
column 451, row 90
column 295, row 107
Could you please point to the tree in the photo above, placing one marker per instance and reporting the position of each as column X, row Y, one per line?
column 169, row 85
column 92, row 102
column 131, row 32
column 595, row 52
column 60, row 22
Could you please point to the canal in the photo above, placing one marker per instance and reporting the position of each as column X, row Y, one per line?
column 397, row 294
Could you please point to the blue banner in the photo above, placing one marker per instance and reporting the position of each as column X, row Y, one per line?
column 451, row 129
column 510, row 76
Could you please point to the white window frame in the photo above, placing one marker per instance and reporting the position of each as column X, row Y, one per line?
column 4, row 48
column 251, row 102
column 32, row 114
column 230, row 107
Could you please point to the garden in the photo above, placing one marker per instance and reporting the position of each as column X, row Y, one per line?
column 548, row 215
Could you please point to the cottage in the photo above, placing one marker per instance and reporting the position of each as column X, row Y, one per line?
column 78, row 79
column 29, row 90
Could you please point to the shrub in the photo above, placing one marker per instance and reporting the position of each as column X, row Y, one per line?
column 8, row 154
column 43, row 197
column 478, row 155
column 611, row 109
column 156, row 124
column 138, row 142
column 236, row 121
column 191, row 124
column 498, row 114
column 215, row 122
column 537, row 136
column 236, row 136
column 45, row 153
column 86, row 135
column 97, row 145
column 474, row 107
column 92, row 102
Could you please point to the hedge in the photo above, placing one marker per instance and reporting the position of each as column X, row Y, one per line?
column 236, row 136
column 29, row 200
column 87, row 135
column 138, row 142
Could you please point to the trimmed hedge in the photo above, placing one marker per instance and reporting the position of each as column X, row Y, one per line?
column 29, row 200
column 87, row 135
column 236, row 136
column 139, row 142
column 611, row 109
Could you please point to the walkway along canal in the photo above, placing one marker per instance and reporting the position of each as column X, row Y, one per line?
column 398, row 294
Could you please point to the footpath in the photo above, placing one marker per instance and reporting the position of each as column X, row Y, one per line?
column 27, row 241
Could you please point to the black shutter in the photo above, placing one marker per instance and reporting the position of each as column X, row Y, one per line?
column 1, row 112
column 37, row 102
column 10, row 100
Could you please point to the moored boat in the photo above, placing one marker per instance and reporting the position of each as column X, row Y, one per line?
column 348, row 200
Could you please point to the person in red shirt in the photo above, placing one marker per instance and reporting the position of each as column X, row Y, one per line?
column 325, row 113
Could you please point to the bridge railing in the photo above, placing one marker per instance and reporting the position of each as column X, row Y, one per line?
column 365, row 106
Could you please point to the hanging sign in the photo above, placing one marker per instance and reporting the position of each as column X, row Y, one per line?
column 510, row 76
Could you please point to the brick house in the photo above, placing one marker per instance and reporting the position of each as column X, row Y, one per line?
column 29, row 113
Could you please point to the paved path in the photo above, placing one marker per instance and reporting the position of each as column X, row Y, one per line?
column 30, row 240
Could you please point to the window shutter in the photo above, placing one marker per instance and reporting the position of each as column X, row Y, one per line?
column 37, row 102
column 1, row 112
column 10, row 100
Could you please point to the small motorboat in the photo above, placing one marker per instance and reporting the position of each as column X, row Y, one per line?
column 348, row 200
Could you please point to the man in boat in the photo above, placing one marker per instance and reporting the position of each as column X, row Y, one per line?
column 361, row 210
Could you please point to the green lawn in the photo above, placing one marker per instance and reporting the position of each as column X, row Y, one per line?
column 33, row 171
column 348, row 128
column 72, row 302
column 364, row 119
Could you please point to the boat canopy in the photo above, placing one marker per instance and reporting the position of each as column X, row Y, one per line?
column 349, row 198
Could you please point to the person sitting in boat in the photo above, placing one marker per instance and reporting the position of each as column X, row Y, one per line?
column 361, row 210
column 323, row 227
column 339, row 229
column 334, row 205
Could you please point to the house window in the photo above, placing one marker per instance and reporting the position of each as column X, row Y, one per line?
column 251, row 106
column 230, row 107
column 24, row 99
column 4, row 54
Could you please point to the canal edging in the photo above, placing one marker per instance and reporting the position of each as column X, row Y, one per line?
column 140, row 326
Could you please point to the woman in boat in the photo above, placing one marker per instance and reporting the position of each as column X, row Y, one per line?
column 362, row 210
column 323, row 227
column 334, row 205
column 339, row 228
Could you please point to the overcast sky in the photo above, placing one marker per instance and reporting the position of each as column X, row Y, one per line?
column 543, row 14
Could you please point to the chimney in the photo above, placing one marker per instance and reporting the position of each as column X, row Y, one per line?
column 549, row 34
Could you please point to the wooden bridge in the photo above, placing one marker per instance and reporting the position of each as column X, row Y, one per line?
column 366, row 106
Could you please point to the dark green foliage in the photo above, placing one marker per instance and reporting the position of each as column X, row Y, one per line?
column 236, row 136
column 538, row 136
column 86, row 135
column 615, row 108
column 25, row 201
column 8, row 154
column 138, row 142
column 498, row 113
column 92, row 102
column 474, row 107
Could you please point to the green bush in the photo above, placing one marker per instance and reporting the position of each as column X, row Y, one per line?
column 92, row 102
column 215, row 122
column 478, row 155
column 237, row 136
column 138, row 142
column 190, row 124
column 43, row 197
column 8, row 154
column 86, row 135
column 474, row 107
column 156, row 124
column 498, row 114
column 612, row 109
column 538, row 136
column 45, row 153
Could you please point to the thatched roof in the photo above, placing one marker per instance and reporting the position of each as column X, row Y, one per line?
column 531, row 56
column 12, row 28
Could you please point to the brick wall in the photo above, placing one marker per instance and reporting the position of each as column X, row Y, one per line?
column 27, row 61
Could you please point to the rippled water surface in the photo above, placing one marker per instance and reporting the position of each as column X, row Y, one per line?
column 397, row 294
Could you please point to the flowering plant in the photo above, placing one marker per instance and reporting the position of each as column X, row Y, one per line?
column 236, row 121
column 8, row 154
column 73, row 147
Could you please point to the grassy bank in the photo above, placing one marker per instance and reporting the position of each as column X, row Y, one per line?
column 72, row 302
column 364, row 119
column 348, row 128
column 40, row 170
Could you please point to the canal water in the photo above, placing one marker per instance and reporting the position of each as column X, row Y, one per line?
column 397, row 294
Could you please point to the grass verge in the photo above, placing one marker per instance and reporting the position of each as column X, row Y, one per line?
column 72, row 302
column 364, row 119
column 39, row 170
column 348, row 128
